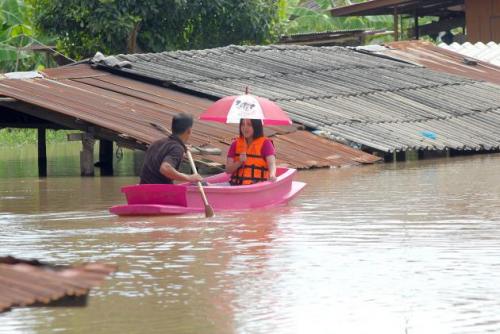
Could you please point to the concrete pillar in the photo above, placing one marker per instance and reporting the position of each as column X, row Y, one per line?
column 87, row 156
column 87, row 153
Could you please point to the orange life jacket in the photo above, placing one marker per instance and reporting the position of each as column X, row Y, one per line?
column 255, row 168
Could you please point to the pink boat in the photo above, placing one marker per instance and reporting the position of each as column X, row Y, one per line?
column 170, row 199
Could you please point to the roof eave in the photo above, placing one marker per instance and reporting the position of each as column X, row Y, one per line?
column 389, row 7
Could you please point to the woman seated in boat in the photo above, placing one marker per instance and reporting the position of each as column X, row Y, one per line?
column 251, row 157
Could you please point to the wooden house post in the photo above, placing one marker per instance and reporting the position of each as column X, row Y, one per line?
column 396, row 23
column 42, row 152
column 417, row 30
column 106, row 157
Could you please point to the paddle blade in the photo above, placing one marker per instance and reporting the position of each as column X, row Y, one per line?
column 209, row 211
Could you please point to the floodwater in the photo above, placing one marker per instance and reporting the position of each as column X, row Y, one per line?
column 392, row 248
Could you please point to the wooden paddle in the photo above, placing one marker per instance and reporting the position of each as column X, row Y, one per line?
column 209, row 211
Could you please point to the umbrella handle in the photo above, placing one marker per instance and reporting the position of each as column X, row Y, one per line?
column 209, row 211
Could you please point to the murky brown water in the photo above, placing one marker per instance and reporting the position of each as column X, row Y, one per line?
column 407, row 248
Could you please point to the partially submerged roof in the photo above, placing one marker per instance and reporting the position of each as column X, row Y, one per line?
column 411, row 7
column 489, row 53
column 132, row 113
column 441, row 59
column 374, row 102
column 28, row 282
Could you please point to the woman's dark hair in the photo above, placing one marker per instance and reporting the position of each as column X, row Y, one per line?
column 181, row 122
column 258, row 129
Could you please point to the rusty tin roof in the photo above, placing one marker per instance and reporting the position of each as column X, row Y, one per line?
column 120, row 108
column 24, row 283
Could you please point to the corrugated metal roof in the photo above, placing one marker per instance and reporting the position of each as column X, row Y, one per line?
column 357, row 97
column 128, row 108
column 25, row 283
column 439, row 59
column 489, row 52
column 411, row 7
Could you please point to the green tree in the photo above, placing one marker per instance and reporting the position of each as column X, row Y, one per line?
column 16, row 35
column 119, row 26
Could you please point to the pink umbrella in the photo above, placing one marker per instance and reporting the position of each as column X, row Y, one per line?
column 231, row 109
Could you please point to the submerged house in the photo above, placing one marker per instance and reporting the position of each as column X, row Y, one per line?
column 133, row 112
column 351, row 99
column 378, row 104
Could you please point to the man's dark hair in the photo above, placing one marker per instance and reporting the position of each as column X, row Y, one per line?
column 181, row 122
column 258, row 129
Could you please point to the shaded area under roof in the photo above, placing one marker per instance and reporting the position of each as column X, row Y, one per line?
column 328, row 38
column 24, row 283
column 411, row 7
column 374, row 102
column 440, row 59
column 126, row 111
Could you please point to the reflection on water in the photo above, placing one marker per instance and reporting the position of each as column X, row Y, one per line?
column 407, row 248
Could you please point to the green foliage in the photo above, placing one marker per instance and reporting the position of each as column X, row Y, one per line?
column 16, row 33
column 304, row 20
column 112, row 26
column 14, row 137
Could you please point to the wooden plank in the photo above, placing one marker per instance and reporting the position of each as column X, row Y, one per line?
column 484, row 17
column 495, row 29
column 79, row 136
column 473, row 20
column 495, row 8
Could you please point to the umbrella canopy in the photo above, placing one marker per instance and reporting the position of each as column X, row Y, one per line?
column 231, row 109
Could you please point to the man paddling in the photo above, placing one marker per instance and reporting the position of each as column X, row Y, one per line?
column 163, row 157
